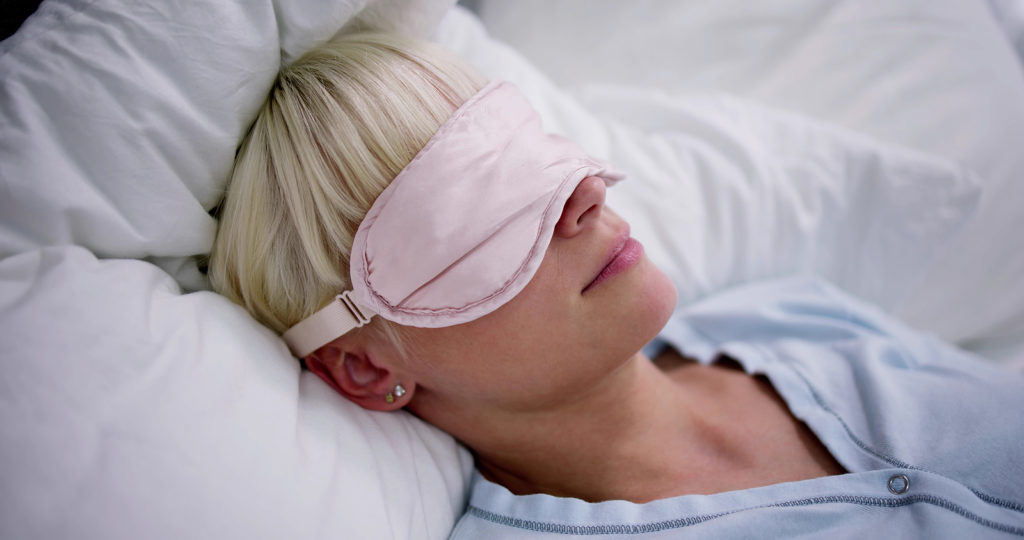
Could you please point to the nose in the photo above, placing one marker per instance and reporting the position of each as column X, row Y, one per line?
column 583, row 207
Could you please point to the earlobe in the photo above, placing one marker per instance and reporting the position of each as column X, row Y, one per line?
column 396, row 393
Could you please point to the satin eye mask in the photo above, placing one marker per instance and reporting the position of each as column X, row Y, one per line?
column 463, row 227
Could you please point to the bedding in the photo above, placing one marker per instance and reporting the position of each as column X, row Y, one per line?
column 129, row 408
column 136, row 403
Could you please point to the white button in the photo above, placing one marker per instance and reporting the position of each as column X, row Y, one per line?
column 899, row 484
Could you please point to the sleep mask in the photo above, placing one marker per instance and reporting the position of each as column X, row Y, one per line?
column 463, row 227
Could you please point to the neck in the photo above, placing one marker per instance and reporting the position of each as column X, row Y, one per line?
column 623, row 439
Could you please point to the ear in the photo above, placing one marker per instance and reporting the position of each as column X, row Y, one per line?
column 361, row 377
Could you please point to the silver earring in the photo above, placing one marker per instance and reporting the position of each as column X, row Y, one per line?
column 398, row 392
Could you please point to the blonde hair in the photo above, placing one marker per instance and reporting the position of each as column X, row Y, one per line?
column 338, row 126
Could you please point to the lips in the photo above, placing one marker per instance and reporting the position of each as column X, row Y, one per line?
column 625, row 252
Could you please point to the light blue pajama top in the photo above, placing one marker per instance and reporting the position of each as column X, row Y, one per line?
column 933, row 437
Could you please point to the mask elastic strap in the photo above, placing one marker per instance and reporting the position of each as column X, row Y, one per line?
column 335, row 319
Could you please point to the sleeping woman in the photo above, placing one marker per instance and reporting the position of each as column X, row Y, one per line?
column 422, row 244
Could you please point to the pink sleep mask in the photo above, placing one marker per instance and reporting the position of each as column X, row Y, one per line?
column 463, row 227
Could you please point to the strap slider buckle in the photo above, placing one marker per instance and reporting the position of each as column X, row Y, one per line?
column 353, row 308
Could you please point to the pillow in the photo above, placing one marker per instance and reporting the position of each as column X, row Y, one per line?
column 730, row 192
column 121, row 122
column 129, row 409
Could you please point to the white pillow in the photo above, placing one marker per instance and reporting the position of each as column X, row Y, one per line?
column 728, row 192
column 121, row 121
column 129, row 410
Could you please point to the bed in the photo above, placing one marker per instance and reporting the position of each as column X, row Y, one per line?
column 874, row 143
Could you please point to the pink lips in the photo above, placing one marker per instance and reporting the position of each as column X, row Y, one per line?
column 626, row 253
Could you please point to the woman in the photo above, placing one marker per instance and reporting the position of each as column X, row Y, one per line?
column 514, row 307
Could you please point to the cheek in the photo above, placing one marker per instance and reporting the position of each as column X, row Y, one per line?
column 488, row 358
column 517, row 356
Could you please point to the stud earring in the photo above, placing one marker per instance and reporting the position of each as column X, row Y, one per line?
column 398, row 392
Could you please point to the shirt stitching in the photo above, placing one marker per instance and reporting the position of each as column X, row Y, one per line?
column 658, row 526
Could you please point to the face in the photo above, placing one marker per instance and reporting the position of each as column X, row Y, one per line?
column 593, row 303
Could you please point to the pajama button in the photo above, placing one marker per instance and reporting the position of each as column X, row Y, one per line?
column 899, row 484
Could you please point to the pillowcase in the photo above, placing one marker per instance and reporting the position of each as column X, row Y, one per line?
column 121, row 122
column 129, row 409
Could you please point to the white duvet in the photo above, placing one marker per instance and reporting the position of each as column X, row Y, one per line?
column 870, row 142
